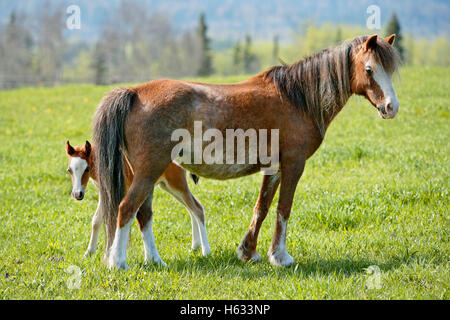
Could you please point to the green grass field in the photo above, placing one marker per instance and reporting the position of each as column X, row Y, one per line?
column 374, row 194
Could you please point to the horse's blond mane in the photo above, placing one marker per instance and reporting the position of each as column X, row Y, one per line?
column 320, row 84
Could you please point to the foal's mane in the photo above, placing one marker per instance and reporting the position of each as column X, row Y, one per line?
column 320, row 84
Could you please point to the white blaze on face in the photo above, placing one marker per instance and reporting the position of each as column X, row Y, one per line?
column 78, row 167
column 384, row 81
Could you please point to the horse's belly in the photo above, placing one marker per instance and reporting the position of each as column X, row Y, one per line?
column 221, row 171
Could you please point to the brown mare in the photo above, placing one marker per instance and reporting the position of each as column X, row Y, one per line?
column 82, row 166
column 135, row 124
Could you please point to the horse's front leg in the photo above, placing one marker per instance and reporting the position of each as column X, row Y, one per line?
column 247, row 249
column 290, row 174
column 97, row 221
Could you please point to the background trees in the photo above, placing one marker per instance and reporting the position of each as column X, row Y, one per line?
column 393, row 26
column 205, row 63
column 135, row 44
column 15, row 52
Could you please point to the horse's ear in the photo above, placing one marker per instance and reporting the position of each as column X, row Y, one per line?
column 87, row 148
column 371, row 42
column 69, row 149
column 390, row 39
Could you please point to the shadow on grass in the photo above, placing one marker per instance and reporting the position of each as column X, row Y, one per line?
column 225, row 263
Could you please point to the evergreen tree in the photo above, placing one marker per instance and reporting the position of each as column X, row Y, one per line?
column 393, row 26
column 189, row 51
column 205, row 68
column 237, row 58
column 250, row 60
column 15, row 52
column 50, row 43
column 275, row 50
column 338, row 36
column 99, row 64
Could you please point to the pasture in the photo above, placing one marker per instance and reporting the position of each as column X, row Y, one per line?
column 374, row 194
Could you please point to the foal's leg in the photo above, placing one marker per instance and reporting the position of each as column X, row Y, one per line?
column 195, row 209
column 145, row 219
column 97, row 221
column 247, row 249
column 290, row 174
column 177, row 186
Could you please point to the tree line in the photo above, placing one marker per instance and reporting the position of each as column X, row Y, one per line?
column 136, row 46
column 133, row 46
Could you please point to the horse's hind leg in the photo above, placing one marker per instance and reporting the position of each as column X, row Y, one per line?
column 141, row 188
column 97, row 221
column 174, row 182
column 145, row 219
column 247, row 249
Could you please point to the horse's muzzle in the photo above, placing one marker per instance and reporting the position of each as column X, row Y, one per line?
column 386, row 111
column 382, row 109
column 78, row 195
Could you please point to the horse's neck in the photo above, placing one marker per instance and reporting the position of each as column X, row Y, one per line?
column 93, row 167
column 329, row 116
column 339, row 101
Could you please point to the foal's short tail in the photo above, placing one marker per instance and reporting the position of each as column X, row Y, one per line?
column 108, row 136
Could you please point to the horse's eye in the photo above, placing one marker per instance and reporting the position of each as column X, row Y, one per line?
column 369, row 70
column 87, row 169
column 69, row 170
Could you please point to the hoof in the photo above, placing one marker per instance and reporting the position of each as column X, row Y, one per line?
column 206, row 251
column 245, row 256
column 157, row 262
column 281, row 259
column 255, row 258
column 117, row 264
column 105, row 259
column 88, row 253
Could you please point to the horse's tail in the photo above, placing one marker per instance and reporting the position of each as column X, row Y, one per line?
column 108, row 137
column 194, row 178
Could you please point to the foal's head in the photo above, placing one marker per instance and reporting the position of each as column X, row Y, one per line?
column 373, row 65
column 79, row 167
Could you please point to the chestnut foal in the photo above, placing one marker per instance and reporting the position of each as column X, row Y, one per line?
column 300, row 100
column 173, row 180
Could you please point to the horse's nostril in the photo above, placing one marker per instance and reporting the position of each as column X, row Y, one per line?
column 382, row 109
column 389, row 107
column 78, row 195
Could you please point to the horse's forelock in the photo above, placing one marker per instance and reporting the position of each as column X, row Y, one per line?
column 385, row 54
column 80, row 151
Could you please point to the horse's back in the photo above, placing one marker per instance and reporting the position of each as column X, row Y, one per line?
column 163, row 92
